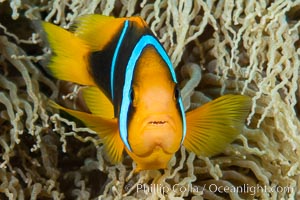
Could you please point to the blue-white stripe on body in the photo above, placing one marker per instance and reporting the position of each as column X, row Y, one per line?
column 114, row 59
column 125, row 104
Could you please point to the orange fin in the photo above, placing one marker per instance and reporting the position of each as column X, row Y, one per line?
column 107, row 130
column 211, row 127
column 70, row 55
column 98, row 30
column 98, row 103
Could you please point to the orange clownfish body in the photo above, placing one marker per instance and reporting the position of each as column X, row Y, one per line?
column 133, row 93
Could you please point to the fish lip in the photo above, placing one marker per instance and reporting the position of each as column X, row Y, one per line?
column 156, row 148
column 158, row 120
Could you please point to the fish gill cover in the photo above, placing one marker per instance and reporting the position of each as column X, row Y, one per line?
column 217, row 47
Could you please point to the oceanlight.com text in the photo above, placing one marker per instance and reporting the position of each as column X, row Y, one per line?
column 245, row 188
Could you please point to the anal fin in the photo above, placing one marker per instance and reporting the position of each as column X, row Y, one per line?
column 98, row 103
column 107, row 130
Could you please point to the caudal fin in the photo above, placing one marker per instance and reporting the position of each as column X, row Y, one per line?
column 90, row 33
column 211, row 127
column 69, row 59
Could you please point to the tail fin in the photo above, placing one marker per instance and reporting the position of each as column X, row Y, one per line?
column 70, row 55
column 70, row 60
column 216, row 124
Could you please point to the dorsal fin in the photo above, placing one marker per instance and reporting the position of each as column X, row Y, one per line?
column 98, row 30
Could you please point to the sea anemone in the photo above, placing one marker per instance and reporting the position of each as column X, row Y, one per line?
column 217, row 47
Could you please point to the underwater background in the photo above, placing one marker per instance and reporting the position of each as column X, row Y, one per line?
column 217, row 47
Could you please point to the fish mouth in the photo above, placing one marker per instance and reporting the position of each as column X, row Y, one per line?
column 154, row 133
column 158, row 121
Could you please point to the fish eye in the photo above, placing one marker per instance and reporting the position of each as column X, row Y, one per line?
column 176, row 92
column 131, row 94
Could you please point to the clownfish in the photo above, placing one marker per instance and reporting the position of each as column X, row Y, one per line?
column 133, row 95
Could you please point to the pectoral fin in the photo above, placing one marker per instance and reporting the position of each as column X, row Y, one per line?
column 107, row 130
column 211, row 127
